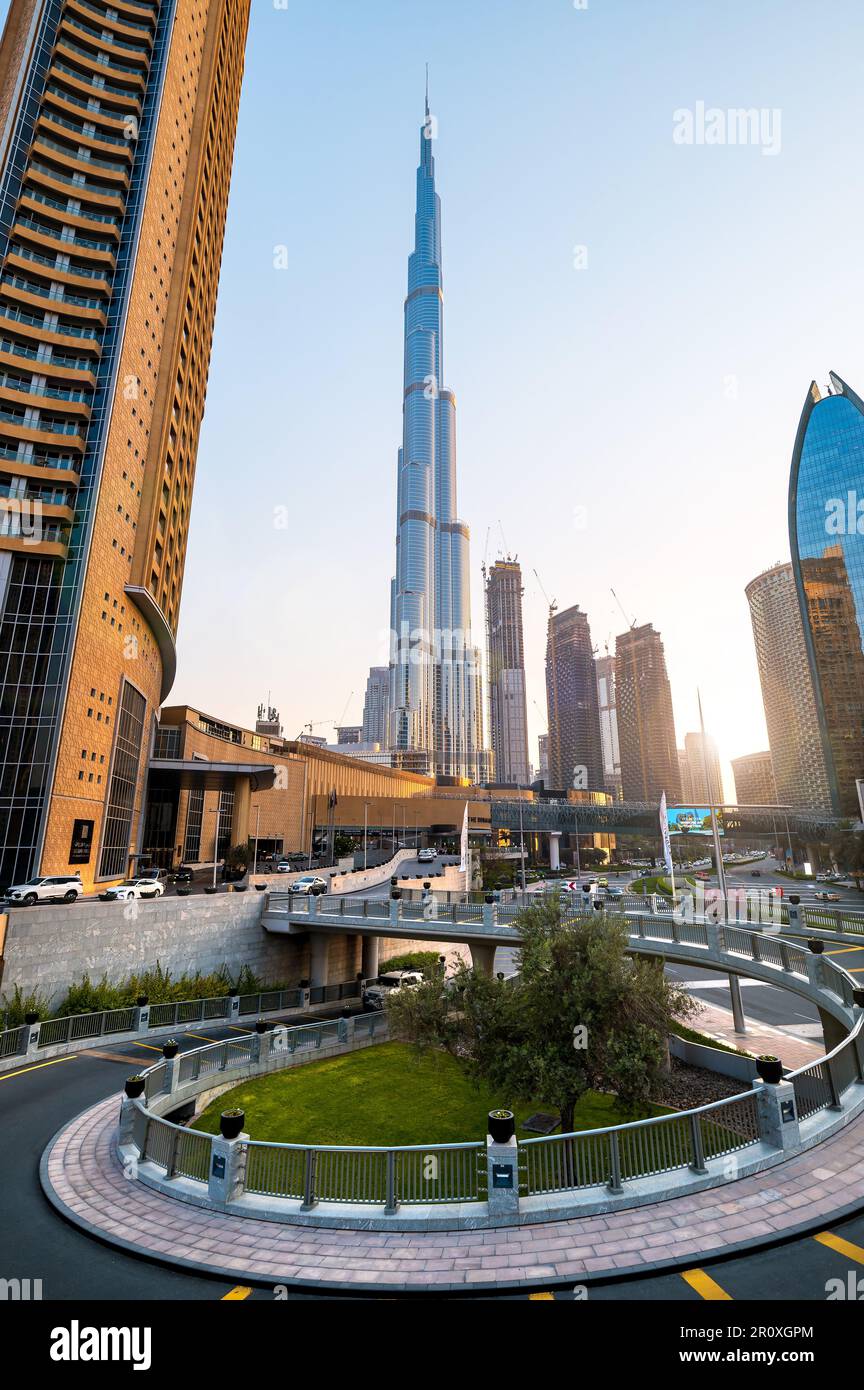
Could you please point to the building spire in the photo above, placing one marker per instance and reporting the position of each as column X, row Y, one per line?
column 427, row 91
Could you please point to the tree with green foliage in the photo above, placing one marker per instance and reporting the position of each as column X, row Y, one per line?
column 580, row 1016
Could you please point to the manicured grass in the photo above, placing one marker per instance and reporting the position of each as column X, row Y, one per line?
column 691, row 1035
column 385, row 1094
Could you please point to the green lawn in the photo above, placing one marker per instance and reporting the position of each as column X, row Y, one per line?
column 382, row 1095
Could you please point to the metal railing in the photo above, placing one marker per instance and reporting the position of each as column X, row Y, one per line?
column 822, row 1085
column 611, row 1157
column 57, row 1032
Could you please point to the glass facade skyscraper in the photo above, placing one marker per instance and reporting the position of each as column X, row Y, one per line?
column 826, row 529
column 434, row 708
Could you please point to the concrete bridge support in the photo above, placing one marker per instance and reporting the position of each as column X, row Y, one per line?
column 555, row 850
column 319, row 948
column 370, row 957
column 483, row 957
column 739, row 1022
column 833, row 1030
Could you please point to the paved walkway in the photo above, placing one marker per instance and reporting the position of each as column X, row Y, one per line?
column 84, row 1180
column 760, row 1038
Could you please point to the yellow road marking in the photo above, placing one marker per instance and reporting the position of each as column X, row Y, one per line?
column 200, row 1037
column 37, row 1067
column 149, row 1046
column 236, row 1295
column 846, row 951
column 705, row 1286
column 857, row 970
column 541, row 1297
column 235, row 1028
column 843, row 1247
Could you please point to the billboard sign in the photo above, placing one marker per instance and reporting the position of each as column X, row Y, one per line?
column 691, row 820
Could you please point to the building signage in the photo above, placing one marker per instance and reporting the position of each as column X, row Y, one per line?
column 82, row 842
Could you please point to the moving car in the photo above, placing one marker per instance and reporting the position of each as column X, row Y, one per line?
column 614, row 892
column 427, row 856
column 154, row 875
column 309, row 883
column 133, row 888
column 184, row 874
column 827, row 897
column 59, row 888
column 376, row 992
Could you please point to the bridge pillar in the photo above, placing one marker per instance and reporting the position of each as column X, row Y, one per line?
column 318, row 958
column 739, row 1022
column 482, row 957
column 370, row 957
column 554, row 849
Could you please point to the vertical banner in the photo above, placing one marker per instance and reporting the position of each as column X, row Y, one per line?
column 464, row 846
column 664, row 831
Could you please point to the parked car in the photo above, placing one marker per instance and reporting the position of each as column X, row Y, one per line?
column 133, row 888
column 184, row 874
column 376, row 992
column 59, row 888
column 154, row 875
column 427, row 856
column 825, row 897
column 309, row 883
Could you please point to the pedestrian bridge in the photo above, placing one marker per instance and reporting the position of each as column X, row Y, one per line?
column 641, row 817
column 735, row 950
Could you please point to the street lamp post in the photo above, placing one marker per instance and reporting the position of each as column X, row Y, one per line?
column 522, row 850
column 365, row 834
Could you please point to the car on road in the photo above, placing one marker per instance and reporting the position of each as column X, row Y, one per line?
column 184, row 874
column 376, row 992
column 427, row 856
column 59, row 888
column 155, row 876
column 614, row 892
column 309, row 883
column 133, row 888
column 755, row 873
column 825, row 897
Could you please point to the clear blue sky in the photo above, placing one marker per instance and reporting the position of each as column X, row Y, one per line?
column 609, row 389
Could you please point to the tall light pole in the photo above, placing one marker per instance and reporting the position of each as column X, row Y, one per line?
column 522, row 850
column 718, row 853
column 365, row 834
column 257, row 828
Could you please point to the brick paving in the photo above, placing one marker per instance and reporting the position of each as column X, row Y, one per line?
column 82, row 1175
column 717, row 1022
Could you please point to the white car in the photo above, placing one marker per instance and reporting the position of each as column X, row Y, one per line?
column 376, row 992
column 60, row 888
column 427, row 856
column 308, row 884
column 134, row 888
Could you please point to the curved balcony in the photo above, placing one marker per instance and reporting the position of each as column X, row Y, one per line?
column 122, row 24
column 83, row 82
column 62, row 335
column 73, row 305
column 34, row 201
column 15, row 356
column 56, row 124
column 80, row 277
column 41, row 468
column 126, row 49
column 49, row 148
column 67, row 101
column 72, row 401
column 68, row 50
column 47, row 177
column 67, row 434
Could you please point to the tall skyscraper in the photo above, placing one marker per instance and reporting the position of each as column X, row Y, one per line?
column 607, row 703
column 646, row 724
column 505, row 674
column 543, row 759
column 788, row 693
column 826, row 529
column 702, row 779
column 375, row 706
column 435, row 706
column 117, row 127
column 754, row 780
column 575, row 745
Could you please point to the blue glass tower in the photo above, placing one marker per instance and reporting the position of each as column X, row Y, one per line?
column 435, row 710
column 826, row 526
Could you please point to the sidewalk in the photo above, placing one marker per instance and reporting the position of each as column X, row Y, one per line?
column 84, row 1182
column 760, row 1038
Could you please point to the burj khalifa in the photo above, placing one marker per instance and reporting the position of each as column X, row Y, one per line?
column 435, row 714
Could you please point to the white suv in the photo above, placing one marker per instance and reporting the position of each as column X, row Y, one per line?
column 65, row 888
column 427, row 856
column 134, row 888
column 375, row 992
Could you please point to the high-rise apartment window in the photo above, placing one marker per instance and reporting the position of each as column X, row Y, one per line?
column 194, row 818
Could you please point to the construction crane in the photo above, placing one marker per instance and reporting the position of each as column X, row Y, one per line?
column 630, row 624
column 553, row 603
